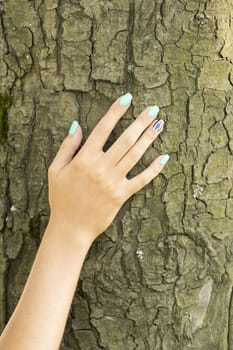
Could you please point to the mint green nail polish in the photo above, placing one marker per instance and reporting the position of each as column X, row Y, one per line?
column 164, row 159
column 153, row 111
column 125, row 99
column 73, row 127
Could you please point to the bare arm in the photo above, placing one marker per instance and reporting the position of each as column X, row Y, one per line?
column 39, row 319
column 86, row 192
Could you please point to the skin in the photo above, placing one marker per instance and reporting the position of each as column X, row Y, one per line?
column 86, row 192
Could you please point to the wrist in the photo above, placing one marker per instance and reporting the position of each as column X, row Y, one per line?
column 71, row 234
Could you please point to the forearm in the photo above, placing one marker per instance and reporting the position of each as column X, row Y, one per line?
column 39, row 319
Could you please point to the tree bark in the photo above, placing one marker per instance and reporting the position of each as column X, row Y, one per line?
column 161, row 276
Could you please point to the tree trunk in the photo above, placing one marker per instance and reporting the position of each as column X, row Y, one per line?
column 160, row 277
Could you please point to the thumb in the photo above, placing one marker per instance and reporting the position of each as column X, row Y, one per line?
column 67, row 148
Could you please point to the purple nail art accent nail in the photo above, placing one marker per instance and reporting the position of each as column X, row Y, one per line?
column 157, row 126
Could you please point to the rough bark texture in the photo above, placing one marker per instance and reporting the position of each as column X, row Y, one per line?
column 161, row 276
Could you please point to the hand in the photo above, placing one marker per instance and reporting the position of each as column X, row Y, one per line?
column 86, row 192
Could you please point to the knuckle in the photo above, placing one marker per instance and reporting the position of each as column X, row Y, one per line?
column 68, row 144
column 98, row 175
column 149, row 136
column 149, row 174
column 65, row 143
column 108, row 187
column 81, row 161
column 141, row 122
column 128, row 140
column 104, row 126
column 142, row 181
column 135, row 156
column 113, row 111
column 78, row 166
column 115, row 107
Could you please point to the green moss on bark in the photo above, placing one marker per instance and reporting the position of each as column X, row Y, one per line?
column 5, row 102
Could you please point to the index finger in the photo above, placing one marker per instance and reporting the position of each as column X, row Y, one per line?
column 104, row 127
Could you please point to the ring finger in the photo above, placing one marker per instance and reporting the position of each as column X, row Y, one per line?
column 139, row 148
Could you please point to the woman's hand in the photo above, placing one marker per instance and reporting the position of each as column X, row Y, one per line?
column 86, row 192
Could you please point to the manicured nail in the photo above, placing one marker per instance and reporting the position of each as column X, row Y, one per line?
column 73, row 127
column 164, row 159
column 158, row 125
column 126, row 99
column 153, row 111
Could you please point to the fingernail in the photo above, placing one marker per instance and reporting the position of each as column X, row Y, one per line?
column 158, row 125
column 164, row 159
column 73, row 127
column 153, row 111
column 125, row 99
